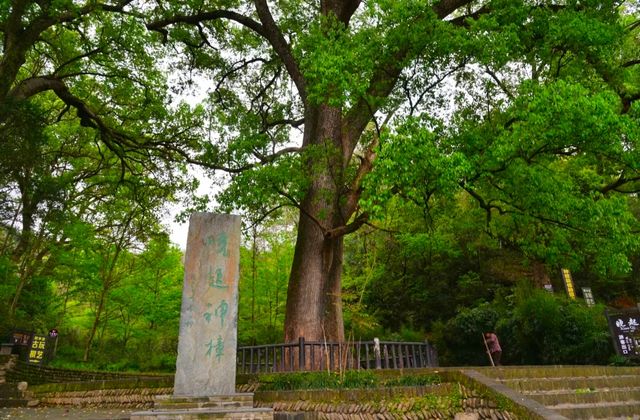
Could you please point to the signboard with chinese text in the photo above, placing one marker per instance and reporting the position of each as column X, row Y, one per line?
column 568, row 283
column 588, row 296
column 625, row 330
column 37, row 350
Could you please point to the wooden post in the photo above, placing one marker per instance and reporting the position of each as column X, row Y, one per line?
column 301, row 357
column 376, row 352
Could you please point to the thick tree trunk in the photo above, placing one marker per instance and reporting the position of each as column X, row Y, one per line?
column 314, row 305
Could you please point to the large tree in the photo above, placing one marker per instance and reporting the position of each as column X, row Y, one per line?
column 339, row 71
column 85, row 116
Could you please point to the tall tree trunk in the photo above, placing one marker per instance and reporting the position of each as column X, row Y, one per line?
column 94, row 327
column 314, row 303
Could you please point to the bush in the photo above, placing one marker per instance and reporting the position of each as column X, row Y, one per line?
column 459, row 341
column 538, row 328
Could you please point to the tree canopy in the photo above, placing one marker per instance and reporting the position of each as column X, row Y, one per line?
column 530, row 108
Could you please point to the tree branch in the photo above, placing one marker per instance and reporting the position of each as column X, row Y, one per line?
column 343, row 9
column 462, row 20
column 160, row 25
column 281, row 47
column 481, row 202
column 615, row 185
column 500, row 83
column 445, row 7
column 384, row 79
column 297, row 205
column 77, row 58
column 362, row 219
column 297, row 122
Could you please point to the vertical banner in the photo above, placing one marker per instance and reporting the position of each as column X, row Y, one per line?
column 568, row 283
column 206, row 363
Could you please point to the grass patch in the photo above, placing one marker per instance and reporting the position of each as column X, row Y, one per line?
column 352, row 379
column 413, row 380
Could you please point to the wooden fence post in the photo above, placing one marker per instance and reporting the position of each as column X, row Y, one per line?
column 301, row 355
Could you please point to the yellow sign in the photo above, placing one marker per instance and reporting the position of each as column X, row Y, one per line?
column 568, row 283
column 36, row 352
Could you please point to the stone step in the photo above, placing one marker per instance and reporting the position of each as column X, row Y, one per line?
column 527, row 372
column 170, row 402
column 585, row 396
column 205, row 413
column 627, row 409
column 566, row 383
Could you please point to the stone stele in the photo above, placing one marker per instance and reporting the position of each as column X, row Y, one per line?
column 206, row 363
column 205, row 381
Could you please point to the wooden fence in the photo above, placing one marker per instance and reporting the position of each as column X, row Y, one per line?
column 313, row 355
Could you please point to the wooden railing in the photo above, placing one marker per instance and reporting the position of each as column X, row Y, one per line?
column 314, row 355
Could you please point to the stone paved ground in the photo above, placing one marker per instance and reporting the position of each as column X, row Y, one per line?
column 53, row 413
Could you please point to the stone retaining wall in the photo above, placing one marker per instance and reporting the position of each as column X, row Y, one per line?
column 392, row 409
column 383, row 403
column 36, row 375
column 136, row 398
column 135, row 391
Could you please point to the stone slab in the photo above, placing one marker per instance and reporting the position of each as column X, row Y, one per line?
column 168, row 402
column 206, row 363
column 205, row 413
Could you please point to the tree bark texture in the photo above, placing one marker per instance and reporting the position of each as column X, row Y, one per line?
column 314, row 305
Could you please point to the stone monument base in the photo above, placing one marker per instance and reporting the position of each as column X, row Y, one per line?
column 233, row 406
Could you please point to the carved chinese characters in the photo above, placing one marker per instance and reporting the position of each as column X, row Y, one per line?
column 206, row 362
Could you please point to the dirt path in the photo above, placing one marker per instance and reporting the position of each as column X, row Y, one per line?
column 52, row 413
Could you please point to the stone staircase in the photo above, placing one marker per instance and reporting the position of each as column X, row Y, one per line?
column 576, row 392
column 11, row 394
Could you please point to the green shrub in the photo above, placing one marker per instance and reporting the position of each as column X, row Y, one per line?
column 536, row 328
column 617, row 360
column 459, row 340
column 554, row 330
